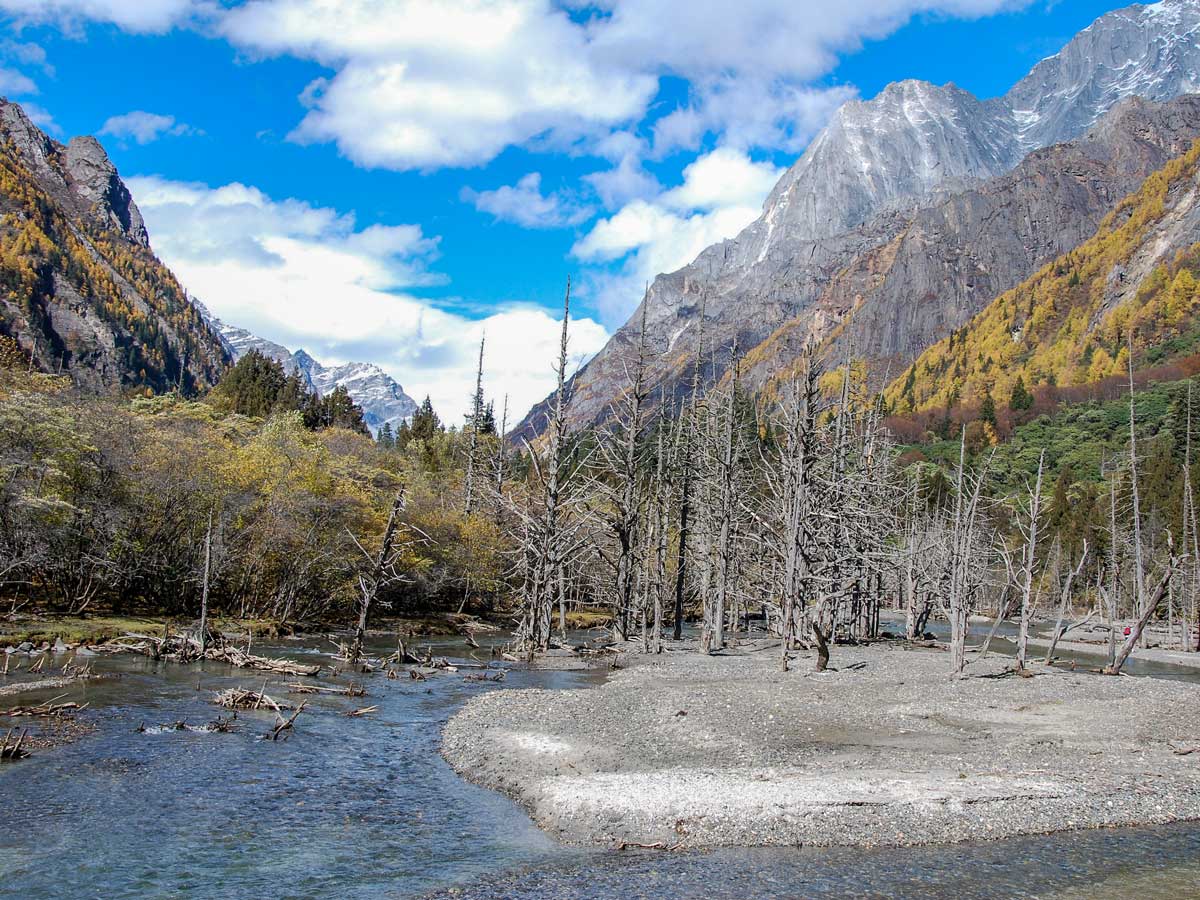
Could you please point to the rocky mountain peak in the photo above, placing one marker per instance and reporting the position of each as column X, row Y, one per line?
column 94, row 179
column 381, row 397
column 34, row 147
column 79, row 175
column 1147, row 51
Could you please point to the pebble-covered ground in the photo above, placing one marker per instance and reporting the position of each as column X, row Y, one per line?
column 697, row 751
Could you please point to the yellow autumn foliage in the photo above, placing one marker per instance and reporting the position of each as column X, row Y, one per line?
column 1060, row 326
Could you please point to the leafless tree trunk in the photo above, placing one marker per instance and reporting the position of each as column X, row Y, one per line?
column 473, row 441
column 966, row 510
column 1136, row 635
column 683, row 459
column 1031, row 537
column 1064, row 603
column 1138, row 551
column 381, row 574
column 547, row 541
column 204, row 586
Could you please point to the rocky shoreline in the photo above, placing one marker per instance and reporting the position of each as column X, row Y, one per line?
column 685, row 751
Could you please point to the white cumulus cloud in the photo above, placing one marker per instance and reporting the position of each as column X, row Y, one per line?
column 421, row 84
column 309, row 277
column 143, row 127
column 526, row 205
column 428, row 83
column 722, row 192
column 13, row 82
column 137, row 16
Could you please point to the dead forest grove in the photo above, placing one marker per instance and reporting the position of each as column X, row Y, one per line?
column 811, row 511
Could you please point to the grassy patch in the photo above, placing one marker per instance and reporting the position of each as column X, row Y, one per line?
column 74, row 629
column 586, row 618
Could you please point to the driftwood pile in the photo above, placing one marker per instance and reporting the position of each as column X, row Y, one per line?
column 237, row 698
column 50, row 710
column 185, row 648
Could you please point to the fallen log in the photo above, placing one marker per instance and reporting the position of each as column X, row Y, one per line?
column 354, row 689
column 355, row 713
column 184, row 648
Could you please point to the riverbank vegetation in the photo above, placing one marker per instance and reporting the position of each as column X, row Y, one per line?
column 108, row 505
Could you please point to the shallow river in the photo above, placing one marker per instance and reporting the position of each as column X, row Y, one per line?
column 366, row 808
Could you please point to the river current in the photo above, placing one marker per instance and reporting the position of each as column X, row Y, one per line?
column 366, row 808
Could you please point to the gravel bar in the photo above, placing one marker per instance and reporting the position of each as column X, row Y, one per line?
column 686, row 750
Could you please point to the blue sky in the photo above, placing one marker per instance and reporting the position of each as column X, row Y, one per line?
column 387, row 179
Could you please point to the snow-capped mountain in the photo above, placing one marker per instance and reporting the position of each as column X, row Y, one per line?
column 381, row 397
column 865, row 179
column 916, row 136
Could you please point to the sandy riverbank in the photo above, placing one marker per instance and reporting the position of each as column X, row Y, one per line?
column 697, row 751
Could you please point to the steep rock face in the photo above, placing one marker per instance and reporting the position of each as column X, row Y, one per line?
column 856, row 189
column 1144, row 51
column 96, row 183
column 934, row 268
column 80, row 289
column 382, row 399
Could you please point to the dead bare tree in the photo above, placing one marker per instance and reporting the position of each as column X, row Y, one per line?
column 381, row 573
column 208, row 533
column 1064, row 602
column 1029, row 529
column 473, row 437
column 1153, row 601
column 788, row 474
column 546, row 538
column 684, row 463
column 617, row 479
column 963, row 574
column 721, row 477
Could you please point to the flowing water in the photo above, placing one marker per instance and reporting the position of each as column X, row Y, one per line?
column 366, row 808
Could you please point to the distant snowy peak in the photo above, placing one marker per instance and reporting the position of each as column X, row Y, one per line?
column 381, row 397
column 239, row 342
column 914, row 137
column 1146, row 51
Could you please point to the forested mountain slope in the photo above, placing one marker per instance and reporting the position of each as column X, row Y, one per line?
column 1132, row 287
column 80, row 289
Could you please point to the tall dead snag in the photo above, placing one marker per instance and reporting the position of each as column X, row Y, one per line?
column 473, row 437
column 963, row 562
column 617, row 482
column 208, row 534
column 1139, row 560
column 547, row 538
column 788, row 474
column 660, row 523
column 1030, row 531
column 683, row 447
column 1191, row 544
column 722, row 483
column 382, row 572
